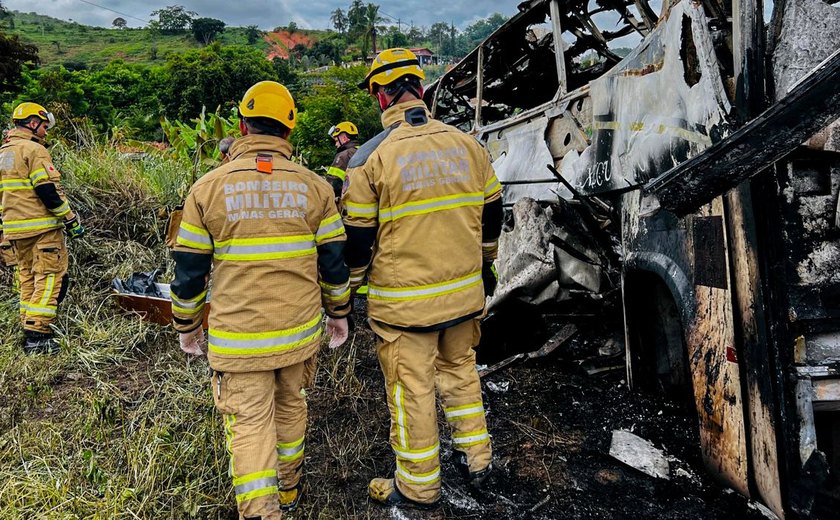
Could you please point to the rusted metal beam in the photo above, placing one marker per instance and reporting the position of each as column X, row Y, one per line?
column 479, row 95
column 809, row 106
column 559, row 58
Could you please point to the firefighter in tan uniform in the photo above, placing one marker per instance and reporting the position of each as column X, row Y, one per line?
column 35, row 216
column 271, row 230
column 345, row 135
column 425, row 205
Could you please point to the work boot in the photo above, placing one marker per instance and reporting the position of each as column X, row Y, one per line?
column 289, row 498
column 384, row 491
column 475, row 479
column 40, row 343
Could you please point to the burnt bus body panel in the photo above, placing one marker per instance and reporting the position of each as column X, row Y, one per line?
column 751, row 266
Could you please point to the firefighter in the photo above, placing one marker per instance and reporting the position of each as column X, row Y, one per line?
column 35, row 216
column 423, row 218
column 345, row 135
column 276, row 241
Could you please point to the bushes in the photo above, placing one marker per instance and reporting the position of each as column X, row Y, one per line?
column 128, row 100
column 334, row 98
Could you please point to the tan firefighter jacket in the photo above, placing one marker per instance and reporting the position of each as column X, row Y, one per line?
column 422, row 186
column 276, row 242
column 32, row 199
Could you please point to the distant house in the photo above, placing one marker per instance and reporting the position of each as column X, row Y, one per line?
column 426, row 56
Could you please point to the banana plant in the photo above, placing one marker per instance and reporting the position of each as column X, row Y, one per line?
column 199, row 142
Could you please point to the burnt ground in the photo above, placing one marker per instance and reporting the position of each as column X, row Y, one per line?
column 551, row 425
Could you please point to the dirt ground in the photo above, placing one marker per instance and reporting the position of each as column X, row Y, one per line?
column 551, row 426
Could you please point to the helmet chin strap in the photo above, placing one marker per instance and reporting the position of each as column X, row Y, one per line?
column 402, row 89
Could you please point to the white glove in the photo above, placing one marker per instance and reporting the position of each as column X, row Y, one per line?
column 193, row 343
column 338, row 330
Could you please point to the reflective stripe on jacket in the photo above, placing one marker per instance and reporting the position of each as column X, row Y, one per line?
column 265, row 232
column 25, row 164
column 337, row 172
column 423, row 184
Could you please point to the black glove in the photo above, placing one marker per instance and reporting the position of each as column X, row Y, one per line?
column 74, row 228
column 490, row 277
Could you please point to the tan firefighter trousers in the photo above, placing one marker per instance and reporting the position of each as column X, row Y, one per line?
column 413, row 362
column 264, row 416
column 42, row 263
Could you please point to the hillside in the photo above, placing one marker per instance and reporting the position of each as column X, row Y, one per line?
column 75, row 45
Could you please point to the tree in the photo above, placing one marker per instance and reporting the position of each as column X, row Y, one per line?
column 327, row 50
column 339, row 20
column 205, row 30
column 57, row 47
column 14, row 54
column 253, row 33
column 371, row 20
column 173, row 19
column 119, row 23
column 6, row 15
column 415, row 35
column 211, row 76
column 333, row 98
column 438, row 34
column 356, row 15
column 478, row 32
column 393, row 37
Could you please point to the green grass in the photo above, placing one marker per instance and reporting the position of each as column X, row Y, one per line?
column 117, row 425
column 120, row 425
column 70, row 43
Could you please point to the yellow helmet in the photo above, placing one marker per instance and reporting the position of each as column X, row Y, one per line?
column 391, row 65
column 272, row 100
column 346, row 127
column 26, row 110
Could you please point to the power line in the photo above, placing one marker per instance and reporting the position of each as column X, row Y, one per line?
column 113, row 11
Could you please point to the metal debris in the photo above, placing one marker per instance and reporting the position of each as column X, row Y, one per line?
column 639, row 454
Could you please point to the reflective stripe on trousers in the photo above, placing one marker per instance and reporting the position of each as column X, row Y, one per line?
column 417, row 455
column 418, row 478
column 253, row 485
column 290, row 451
column 458, row 413
column 462, row 440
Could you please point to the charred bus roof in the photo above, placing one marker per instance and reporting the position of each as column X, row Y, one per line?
column 521, row 69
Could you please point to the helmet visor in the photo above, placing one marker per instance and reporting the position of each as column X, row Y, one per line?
column 333, row 130
column 47, row 117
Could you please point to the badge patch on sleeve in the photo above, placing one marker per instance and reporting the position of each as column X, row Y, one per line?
column 7, row 160
column 265, row 163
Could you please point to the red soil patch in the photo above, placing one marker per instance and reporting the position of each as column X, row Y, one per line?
column 282, row 42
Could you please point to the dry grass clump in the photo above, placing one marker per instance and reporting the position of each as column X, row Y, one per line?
column 118, row 425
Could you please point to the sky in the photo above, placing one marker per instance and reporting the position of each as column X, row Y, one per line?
column 267, row 14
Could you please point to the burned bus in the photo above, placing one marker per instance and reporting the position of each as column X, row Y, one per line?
column 705, row 161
